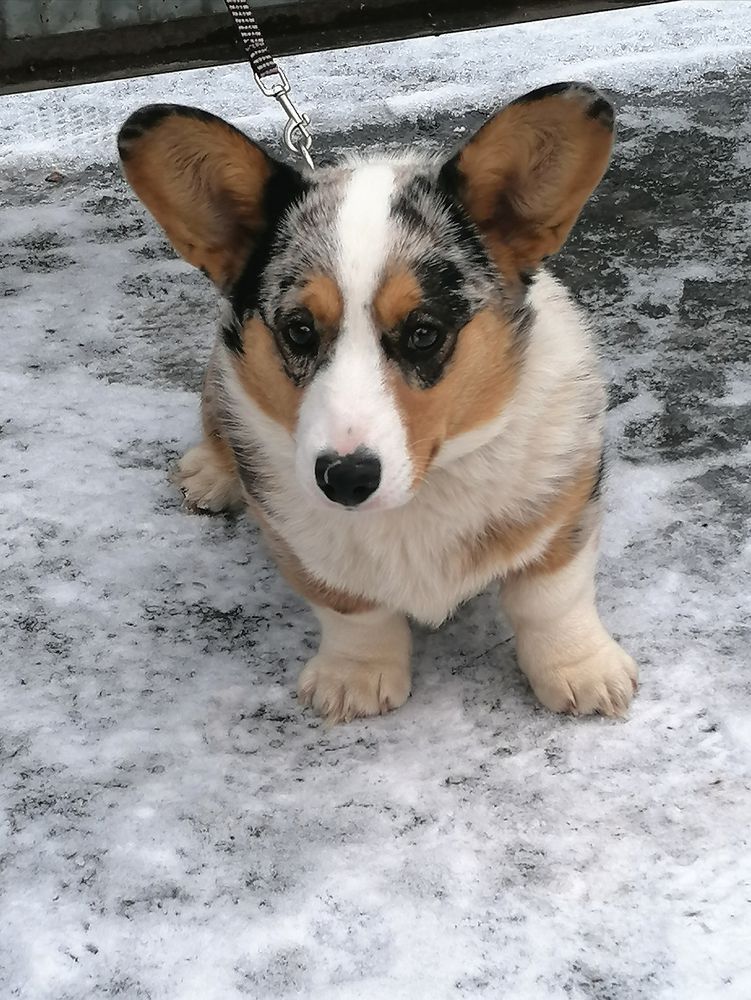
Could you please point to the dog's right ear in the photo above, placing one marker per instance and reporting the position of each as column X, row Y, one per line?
column 214, row 192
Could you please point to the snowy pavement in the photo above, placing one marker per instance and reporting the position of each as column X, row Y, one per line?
column 174, row 826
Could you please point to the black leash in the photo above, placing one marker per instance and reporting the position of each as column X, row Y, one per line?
column 297, row 137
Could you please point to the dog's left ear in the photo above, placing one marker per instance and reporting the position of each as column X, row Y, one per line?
column 525, row 176
column 216, row 194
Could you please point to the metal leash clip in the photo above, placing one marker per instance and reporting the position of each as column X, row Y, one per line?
column 297, row 137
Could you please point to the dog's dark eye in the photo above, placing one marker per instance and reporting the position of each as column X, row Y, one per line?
column 300, row 334
column 422, row 338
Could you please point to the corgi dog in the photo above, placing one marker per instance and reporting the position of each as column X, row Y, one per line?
column 408, row 404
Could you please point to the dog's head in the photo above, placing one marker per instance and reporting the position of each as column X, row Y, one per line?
column 378, row 308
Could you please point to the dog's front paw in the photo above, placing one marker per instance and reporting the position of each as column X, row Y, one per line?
column 208, row 480
column 340, row 689
column 602, row 681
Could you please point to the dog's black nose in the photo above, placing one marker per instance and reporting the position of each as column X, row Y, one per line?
column 348, row 479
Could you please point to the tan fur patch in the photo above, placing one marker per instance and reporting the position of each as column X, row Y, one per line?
column 502, row 543
column 261, row 373
column 477, row 382
column 322, row 297
column 397, row 297
column 565, row 544
column 528, row 173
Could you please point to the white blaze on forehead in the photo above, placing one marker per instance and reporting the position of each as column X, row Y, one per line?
column 348, row 404
column 363, row 232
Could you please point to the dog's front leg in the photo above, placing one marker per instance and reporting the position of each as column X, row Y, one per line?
column 571, row 661
column 207, row 473
column 362, row 666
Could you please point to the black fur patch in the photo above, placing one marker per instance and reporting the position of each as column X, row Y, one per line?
column 444, row 306
column 442, row 285
column 451, row 184
column 406, row 208
column 522, row 319
column 232, row 337
column 521, row 314
column 470, row 239
column 596, row 493
column 284, row 188
column 599, row 109
column 406, row 211
column 602, row 111
column 141, row 121
column 146, row 118
column 451, row 181
column 549, row 91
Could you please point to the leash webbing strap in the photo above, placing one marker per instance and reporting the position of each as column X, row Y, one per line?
column 297, row 137
column 252, row 39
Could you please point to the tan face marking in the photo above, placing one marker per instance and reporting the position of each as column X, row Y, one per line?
column 322, row 297
column 260, row 367
column 261, row 373
column 478, row 380
column 395, row 299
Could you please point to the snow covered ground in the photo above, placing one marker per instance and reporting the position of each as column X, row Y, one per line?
column 174, row 826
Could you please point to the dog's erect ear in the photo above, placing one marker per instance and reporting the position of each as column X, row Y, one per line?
column 524, row 177
column 214, row 192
